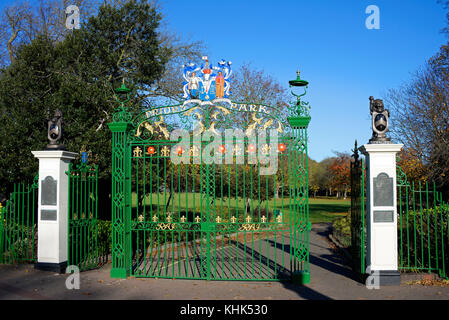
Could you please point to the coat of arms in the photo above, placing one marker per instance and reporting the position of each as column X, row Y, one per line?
column 208, row 82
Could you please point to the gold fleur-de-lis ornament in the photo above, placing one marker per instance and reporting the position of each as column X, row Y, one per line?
column 266, row 149
column 237, row 150
column 194, row 151
column 137, row 152
column 165, row 151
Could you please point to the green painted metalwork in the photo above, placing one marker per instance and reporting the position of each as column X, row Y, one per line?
column 207, row 221
column 121, row 201
column 300, row 108
column 423, row 232
column 358, row 218
column 83, row 249
column 299, row 201
column 299, row 119
column 18, row 225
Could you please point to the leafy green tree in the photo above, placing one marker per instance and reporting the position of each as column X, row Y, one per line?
column 323, row 175
column 77, row 76
column 314, row 185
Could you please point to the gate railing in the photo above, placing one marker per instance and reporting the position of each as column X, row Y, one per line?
column 187, row 223
column 18, row 225
column 422, row 227
column 83, row 247
column 358, row 232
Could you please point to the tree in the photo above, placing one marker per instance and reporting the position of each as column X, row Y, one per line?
column 340, row 170
column 314, row 185
column 322, row 175
column 13, row 23
column 22, row 21
column 420, row 118
column 250, row 85
column 413, row 168
column 76, row 75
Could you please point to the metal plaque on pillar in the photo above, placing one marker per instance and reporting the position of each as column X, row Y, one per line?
column 49, row 215
column 383, row 190
column 48, row 194
column 383, row 216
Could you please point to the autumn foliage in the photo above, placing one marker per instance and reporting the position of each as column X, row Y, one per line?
column 330, row 177
column 341, row 176
column 412, row 166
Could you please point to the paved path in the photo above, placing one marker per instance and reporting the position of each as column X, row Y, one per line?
column 331, row 278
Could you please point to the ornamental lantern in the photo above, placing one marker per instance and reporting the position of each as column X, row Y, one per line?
column 302, row 108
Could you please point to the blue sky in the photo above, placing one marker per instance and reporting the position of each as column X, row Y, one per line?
column 344, row 62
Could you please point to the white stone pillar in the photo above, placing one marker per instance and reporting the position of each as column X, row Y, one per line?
column 382, row 228
column 52, row 209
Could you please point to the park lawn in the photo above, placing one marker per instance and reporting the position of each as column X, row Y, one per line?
column 326, row 210
column 320, row 210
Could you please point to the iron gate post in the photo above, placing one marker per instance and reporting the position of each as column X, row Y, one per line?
column 121, row 193
column 300, row 224
column 299, row 184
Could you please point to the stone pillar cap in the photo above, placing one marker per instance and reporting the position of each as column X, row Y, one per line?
column 387, row 147
column 58, row 154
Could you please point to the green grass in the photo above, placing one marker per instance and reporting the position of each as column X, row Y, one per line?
column 326, row 210
column 320, row 210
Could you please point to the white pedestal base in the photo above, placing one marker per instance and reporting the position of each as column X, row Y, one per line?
column 52, row 209
column 382, row 255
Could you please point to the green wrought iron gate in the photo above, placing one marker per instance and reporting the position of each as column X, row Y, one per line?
column 358, row 218
column 423, row 229
column 18, row 225
column 83, row 248
column 207, row 221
